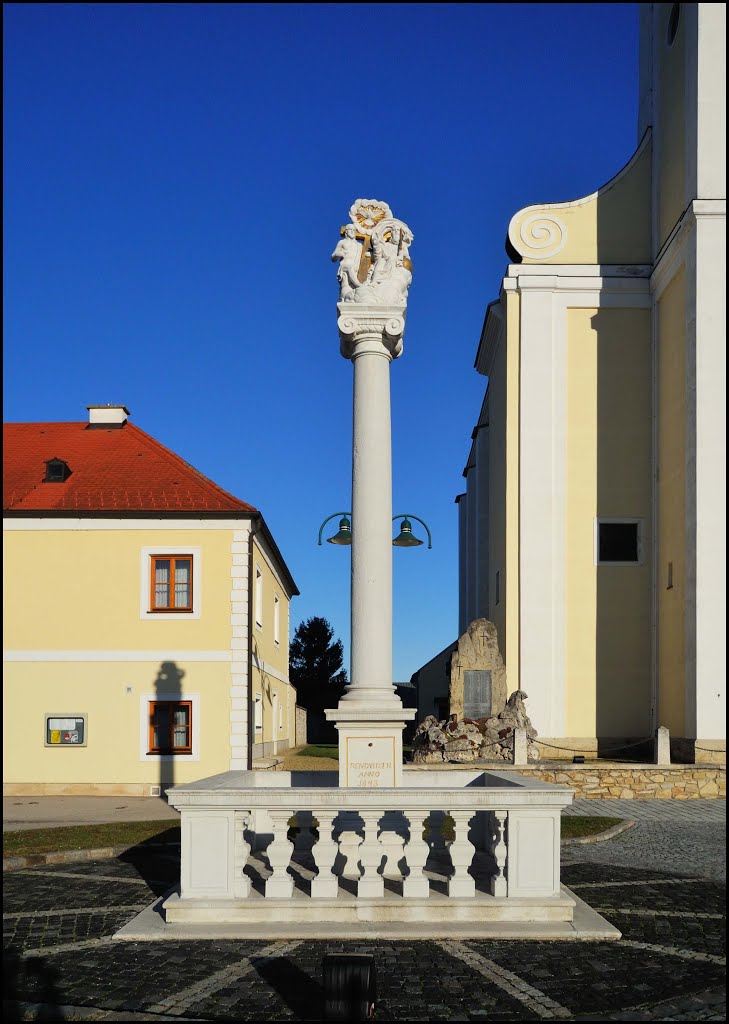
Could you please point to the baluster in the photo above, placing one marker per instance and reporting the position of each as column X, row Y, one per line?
column 241, row 850
column 370, row 855
column 462, row 851
column 498, row 849
column 416, row 854
column 280, row 885
column 324, row 852
column 393, row 847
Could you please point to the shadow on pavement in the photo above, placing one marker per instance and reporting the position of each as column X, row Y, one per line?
column 32, row 980
column 302, row 996
column 156, row 860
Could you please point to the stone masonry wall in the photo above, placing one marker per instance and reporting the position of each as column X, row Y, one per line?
column 689, row 782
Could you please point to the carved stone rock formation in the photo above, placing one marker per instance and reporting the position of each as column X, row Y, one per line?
column 462, row 741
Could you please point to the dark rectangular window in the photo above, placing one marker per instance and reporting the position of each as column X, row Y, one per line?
column 170, row 727
column 618, row 542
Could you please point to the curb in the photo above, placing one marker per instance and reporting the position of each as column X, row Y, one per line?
column 600, row 837
column 37, row 860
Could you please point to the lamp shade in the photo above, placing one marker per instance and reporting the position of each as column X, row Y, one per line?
column 405, row 538
column 343, row 534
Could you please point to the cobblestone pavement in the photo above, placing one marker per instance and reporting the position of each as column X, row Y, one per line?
column 652, row 882
column 651, row 810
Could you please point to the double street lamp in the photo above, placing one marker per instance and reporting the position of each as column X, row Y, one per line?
column 405, row 539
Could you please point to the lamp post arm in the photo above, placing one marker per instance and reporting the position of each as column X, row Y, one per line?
column 333, row 516
column 409, row 515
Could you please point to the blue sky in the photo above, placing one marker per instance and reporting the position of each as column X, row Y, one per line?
column 175, row 179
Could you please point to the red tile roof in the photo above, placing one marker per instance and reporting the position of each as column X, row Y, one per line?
column 119, row 469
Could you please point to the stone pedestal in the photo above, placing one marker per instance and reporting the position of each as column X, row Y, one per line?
column 370, row 746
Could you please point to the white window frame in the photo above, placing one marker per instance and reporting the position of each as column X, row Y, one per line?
column 276, row 620
column 628, row 521
column 258, row 714
column 258, row 596
column 144, row 701
column 145, row 581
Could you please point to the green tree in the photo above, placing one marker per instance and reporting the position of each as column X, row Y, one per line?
column 315, row 666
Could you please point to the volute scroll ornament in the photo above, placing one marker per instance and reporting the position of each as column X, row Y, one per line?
column 374, row 256
column 538, row 236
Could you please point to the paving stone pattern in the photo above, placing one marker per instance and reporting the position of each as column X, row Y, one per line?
column 670, row 964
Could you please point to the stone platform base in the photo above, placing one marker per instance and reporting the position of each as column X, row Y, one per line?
column 565, row 917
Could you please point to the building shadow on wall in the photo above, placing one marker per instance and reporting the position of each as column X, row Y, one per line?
column 263, row 688
column 166, row 720
column 623, row 586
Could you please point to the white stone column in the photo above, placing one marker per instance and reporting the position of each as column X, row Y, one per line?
column 370, row 717
column 371, row 352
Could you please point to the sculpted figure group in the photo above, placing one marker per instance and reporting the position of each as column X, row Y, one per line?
column 389, row 275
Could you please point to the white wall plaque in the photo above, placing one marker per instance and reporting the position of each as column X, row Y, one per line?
column 370, row 761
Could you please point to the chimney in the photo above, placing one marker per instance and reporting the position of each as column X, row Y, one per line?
column 107, row 416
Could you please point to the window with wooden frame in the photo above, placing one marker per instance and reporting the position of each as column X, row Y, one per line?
column 171, row 583
column 170, row 727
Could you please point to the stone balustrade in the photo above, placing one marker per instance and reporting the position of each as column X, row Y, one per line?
column 270, row 846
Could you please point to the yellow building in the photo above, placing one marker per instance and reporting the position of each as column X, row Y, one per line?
column 146, row 616
column 592, row 527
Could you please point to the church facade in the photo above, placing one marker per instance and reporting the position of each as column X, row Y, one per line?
column 591, row 530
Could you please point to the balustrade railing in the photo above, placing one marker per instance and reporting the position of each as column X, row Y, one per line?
column 496, row 839
column 360, row 847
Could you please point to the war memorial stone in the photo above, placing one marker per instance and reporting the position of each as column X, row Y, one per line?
column 478, row 675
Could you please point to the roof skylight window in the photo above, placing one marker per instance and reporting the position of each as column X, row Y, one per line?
column 57, row 471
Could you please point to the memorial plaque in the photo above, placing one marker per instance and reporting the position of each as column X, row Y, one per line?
column 477, row 693
column 370, row 761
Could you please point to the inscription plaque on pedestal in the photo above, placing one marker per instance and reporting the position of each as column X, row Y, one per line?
column 370, row 761
column 477, row 693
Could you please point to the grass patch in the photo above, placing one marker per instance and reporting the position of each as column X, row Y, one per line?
column 28, row 842
column 320, row 750
column 572, row 828
column 577, row 827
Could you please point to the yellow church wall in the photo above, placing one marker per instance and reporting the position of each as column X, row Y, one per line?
column 511, row 582
column 608, row 607
column 84, row 587
column 671, row 396
column 497, row 493
column 580, row 511
column 671, row 132
column 612, row 226
column 116, row 723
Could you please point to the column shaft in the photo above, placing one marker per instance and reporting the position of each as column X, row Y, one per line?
column 371, row 643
